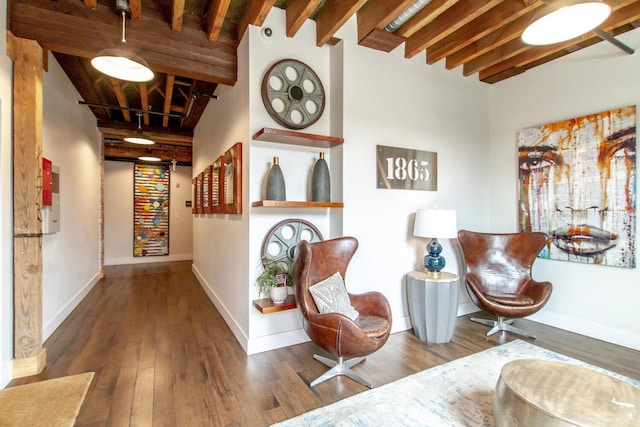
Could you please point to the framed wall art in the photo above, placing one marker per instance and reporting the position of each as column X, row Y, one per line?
column 150, row 210
column 206, row 189
column 577, row 183
column 217, row 172
column 232, row 194
column 197, row 195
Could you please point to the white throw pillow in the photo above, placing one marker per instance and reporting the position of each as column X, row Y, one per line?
column 330, row 296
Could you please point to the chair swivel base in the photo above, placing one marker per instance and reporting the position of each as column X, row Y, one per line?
column 502, row 324
column 339, row 367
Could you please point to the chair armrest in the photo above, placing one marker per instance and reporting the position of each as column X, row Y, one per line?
column 371, row 304
column 538, row 291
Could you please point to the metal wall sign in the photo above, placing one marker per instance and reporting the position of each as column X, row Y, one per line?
column 400, row 168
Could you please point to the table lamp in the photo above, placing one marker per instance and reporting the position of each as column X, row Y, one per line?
column 437, row 224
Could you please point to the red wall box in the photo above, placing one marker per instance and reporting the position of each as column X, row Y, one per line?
column 47, row 182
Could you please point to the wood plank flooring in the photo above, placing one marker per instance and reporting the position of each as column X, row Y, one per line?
column 163, row 356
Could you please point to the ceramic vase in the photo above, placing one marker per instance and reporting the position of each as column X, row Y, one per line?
column 321, row 181
column 275, row 183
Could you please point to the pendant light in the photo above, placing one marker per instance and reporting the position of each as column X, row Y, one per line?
column 149, row 158
column 564, row 20
column 121, row 63
column 139, row 137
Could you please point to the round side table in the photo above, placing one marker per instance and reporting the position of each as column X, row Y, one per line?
column 433, row 305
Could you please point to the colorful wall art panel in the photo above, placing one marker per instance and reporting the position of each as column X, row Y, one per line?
column 577, row 182
column 150, row 210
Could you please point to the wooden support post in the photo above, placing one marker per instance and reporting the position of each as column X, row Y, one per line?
column 29, row 355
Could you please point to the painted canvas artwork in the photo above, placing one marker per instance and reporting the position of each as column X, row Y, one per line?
column 150, row 210
column 577, row 183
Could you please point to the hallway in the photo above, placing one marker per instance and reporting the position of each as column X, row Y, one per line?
column 163, row 356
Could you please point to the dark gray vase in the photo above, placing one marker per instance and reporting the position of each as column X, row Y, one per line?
column 321, row 181
column 275, row 183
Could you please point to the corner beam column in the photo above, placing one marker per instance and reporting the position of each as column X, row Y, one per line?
column 29, row 355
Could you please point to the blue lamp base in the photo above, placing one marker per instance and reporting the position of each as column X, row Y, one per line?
column 434, row 262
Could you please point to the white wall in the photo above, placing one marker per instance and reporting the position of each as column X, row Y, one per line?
column 284, row 328
column 392, row 101
column 118, row 212
column 71, row 257
column 220, row 241
column 6, row 204
column 368, row 103
column 592, row 300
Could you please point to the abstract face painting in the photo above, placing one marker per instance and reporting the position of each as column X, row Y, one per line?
column 577, row 184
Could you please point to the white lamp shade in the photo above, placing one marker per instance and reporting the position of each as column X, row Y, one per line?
column 122, row 64
column 149, row 158
column 139, row 139
column 436, row 223
column 566, row 20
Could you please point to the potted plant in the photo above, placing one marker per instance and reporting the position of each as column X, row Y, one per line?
column 273, row 281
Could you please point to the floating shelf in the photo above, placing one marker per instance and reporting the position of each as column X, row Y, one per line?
column 297, row 138
column 265, row 306
column 288, row 204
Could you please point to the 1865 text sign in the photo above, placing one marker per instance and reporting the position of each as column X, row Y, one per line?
column 400, row 168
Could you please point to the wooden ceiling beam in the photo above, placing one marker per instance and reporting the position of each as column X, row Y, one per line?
column 177, row 12
column 144, row 101
column 503, row 14
column 168, row 96
column 255, row 14
column 202, row 93
column 426, row 15
column 136, row 9
column 122, row 151
column 333, row 16
column 69, row 29
column 490, row 42
column 83, row 84
column 298, row 11
column 215, row 18
column 118, row 130
column 377, row 14
column 447, row 23
column 122, row 100
column 382, row 40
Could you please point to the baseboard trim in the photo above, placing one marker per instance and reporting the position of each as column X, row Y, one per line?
column 222, row 309
column 52, row 324
column 274, row 341
column 590, row 329
column 147, row 260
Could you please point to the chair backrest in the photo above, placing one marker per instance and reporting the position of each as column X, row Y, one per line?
column 501, row 262
column 315, row 262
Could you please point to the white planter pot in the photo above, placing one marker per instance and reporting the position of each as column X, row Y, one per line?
column 278, row 294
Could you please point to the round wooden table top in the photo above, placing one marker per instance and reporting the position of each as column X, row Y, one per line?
column 535, row 392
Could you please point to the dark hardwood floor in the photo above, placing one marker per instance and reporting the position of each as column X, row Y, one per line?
column 163, row 356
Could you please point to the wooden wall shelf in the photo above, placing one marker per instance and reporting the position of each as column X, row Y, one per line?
column 265, row 306
column 292, row 204
column 297, row 138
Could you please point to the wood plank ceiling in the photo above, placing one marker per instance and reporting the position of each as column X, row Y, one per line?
column 191, row 46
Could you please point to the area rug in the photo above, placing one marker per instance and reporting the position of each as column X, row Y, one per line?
column 458, row 393
column 51, row 403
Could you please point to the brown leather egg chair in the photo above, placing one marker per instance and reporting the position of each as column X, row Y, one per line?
column 349, row 341
column 498, row 276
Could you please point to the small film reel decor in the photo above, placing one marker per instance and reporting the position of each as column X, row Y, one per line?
column 280, row 242
column 293, row 94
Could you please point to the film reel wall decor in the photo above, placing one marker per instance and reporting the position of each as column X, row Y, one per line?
column 293, row 94
column 280, row 242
